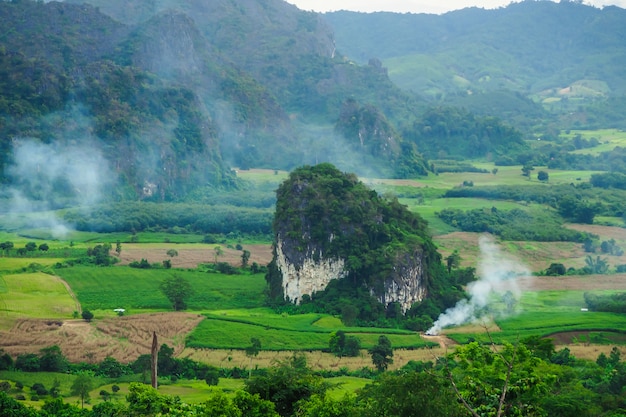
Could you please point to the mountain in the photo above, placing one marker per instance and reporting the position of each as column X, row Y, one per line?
column 165, row 97
column 336, row 242
column 561, row 55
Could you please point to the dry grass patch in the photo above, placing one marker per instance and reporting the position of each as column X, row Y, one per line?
column 191, row 256
column 123, row 338
column 317, row 360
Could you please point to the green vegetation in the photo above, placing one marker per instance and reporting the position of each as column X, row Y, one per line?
column 491, row 149
column 138, row 289
column 35, row 295
column 323, row 212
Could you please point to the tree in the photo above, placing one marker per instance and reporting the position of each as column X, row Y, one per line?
column 453, row 260
column 87, row 315
column 177, row 290
column 118, row 247
column 405, row 394
column 81, row 387
column 542, row 176
column 218, row 252
column 253, row 350
column 172, row 252
column 212, row 376
column 597, row 265
column 526, row 170
column 11, row 407
column 286, row 384
column 342, row 345
column 30, row 246
column 52, row 360
column 144, row 400
column 495, row 382
column 44, row 247
column 6, row 247
column 6, row 361
column 27, row 362
column 382, row 353
column 245, row 257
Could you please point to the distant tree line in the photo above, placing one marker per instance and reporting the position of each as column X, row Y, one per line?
column 579, row 203
column 515, row 224
column 175, row 217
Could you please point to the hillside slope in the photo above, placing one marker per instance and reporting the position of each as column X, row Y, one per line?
column 166, row 97
column 560, row 54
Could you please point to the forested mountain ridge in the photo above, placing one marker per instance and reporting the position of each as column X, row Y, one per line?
column 171, row 95
column 561, row 51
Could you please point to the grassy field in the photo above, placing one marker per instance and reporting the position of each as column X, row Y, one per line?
column 608, row 138
column 544, row 313
column 189, row 391
column 16, row 264
column 286, row 332
column 137, row 290
column 35, row 295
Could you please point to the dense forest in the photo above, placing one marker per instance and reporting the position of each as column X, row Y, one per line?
column 532, row 62
column 167, row 99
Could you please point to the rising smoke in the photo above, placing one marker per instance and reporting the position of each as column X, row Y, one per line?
column 70, row 171
column 495, row 294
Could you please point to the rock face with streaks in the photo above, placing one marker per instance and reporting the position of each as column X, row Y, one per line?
column 330, row 226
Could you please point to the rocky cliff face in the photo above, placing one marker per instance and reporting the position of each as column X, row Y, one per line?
column 306, row 272
column 406, row 285
column 306, row 275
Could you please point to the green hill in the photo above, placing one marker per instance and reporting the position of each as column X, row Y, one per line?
column 531, row 48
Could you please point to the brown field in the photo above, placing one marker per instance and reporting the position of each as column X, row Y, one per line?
column 317, row 360
column 123, row 338
column 192, row 256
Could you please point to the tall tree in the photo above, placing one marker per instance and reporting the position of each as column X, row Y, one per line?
column 382, row 353
column 253, row 350
column 177, row 290
column 81, row 387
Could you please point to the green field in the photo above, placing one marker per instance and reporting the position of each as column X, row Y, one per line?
column 608, row 138
column 137, row 290
column 544, row 313
column 230, row 330
column 34, row 295
column 16, row 264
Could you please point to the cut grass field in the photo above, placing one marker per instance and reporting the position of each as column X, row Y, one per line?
column 35, row 295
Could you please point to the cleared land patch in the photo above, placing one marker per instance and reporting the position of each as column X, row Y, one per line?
column 190, row 256
column 123, row 338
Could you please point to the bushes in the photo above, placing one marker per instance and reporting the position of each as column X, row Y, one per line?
column 615, row 303
column 513, row 224
column 196, row 218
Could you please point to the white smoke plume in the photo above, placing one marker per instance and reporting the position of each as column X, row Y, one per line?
column 50, row 176
column 494, row 294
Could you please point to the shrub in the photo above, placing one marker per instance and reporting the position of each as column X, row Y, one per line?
column 39, row 389
column 87, row 315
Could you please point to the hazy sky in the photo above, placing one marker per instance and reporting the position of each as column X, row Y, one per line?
column 416, row 6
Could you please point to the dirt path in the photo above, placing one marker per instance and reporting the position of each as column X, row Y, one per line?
column 71, row 293
column 443, row 341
